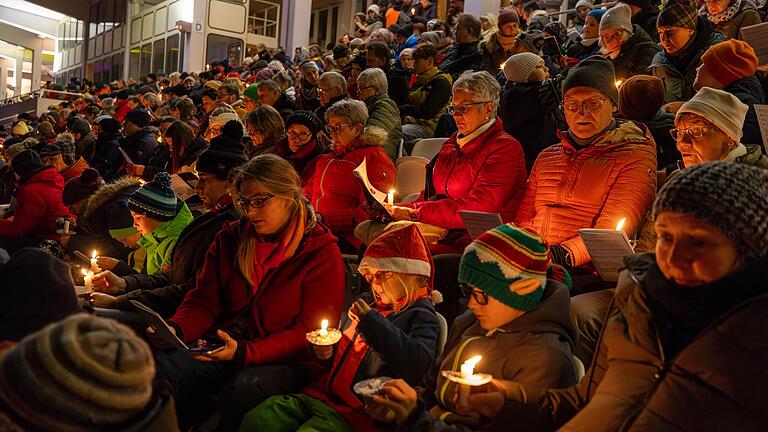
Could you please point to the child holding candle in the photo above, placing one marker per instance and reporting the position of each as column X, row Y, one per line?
column 394, row 335
column 519, row 321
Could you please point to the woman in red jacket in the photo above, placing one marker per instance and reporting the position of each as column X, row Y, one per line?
column 38, row 203
column 333, row 189
column 267, row 280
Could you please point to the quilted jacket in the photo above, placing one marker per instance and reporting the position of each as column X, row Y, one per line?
column 593, row 187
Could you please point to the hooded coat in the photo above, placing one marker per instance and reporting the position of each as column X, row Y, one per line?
column 384, row 113
column 336, row 193
column 535, row 348
column 107, row 159
column 38, row 205
column 93, row 227
column 288, row 302
column 591, row 187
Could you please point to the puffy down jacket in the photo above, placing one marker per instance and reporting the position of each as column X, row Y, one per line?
column 593, row 187
column 38, row 205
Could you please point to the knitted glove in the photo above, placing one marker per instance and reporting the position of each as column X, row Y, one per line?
column 561, row 255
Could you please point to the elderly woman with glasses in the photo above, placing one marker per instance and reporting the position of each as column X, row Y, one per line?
column 267, row 280
column 602, row 171
column 333, row 189
column 627, row 45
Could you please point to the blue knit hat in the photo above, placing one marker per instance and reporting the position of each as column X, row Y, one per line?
column 597, row 14
column 155, row 199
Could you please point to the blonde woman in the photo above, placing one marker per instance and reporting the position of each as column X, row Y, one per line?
column 267, row 280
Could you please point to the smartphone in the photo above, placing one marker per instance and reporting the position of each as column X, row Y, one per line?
column 206, row 347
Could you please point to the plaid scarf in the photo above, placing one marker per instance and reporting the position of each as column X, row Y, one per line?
column 723, row 16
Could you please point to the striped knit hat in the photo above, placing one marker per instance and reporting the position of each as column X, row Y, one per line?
column 509, row 264
column 155, row 199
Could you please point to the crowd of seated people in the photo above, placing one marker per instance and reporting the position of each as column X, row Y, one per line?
column 228, row 249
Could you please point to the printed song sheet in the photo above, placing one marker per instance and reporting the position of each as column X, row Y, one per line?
column 606, row 247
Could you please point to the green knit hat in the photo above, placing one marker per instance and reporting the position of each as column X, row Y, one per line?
column 252, row 92
column 499, row 258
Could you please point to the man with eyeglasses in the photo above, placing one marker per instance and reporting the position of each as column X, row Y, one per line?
column 602, row 171
column 331, row 89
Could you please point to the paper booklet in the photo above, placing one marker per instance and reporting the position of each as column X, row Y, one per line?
column 164, row 337
column 375, row 198
column 477, row 223
column 181, row 187
column 757, row 37
column 762, row 119
column 606, row 247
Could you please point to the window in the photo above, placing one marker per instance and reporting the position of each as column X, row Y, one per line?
column 146, row 60
column 93, row 21
column 117, row 67
column 172, row 54
column 322, row 27
column 134, row 57
column 223, row 48
column 158, row 55
column 334, row 26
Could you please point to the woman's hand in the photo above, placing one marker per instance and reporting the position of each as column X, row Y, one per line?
column 101, row 300
column 107, row 263
column 323, row 352
column 108, row 282
column 226, row 354
column 487, row 400
column 396, row 395
column 358, row 310
column 401, row 213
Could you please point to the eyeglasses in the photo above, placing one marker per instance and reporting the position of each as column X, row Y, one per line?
column 679, row 134
column 480, row 297
column 255, row 202
column 615, row 37
column 589, row 106
column 321, row 91
column 301, row 135
column 463, row 108
column 378, row 277
column 363, row 88
column 336, row 129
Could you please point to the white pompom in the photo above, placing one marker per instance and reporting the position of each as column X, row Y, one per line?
column 436, row 297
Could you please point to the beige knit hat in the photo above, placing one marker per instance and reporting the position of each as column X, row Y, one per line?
column 618, row 17
column 722, row 109
column 519, row 67
column 84, row 373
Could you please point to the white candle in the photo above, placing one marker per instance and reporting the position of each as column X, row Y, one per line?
column 467, row 372
column 88, row 279
column 66, row 226
column 94, row 263
column 413, row 11
column 391, row 197
column 620, row 225
column 324, row 328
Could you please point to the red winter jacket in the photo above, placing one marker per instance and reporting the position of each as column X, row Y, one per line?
column 290, row 301
column 121, row 109
column 38, row 205
column 487, row 174
column 594, row 187
column 334, row 190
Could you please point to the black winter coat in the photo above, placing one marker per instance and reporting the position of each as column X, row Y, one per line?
column 461, row 58
column 141, row 145
column 636, row 54
column 107, row 158
column 749, row 91
column 285, row 106
column 164, row 292
column 397, row 84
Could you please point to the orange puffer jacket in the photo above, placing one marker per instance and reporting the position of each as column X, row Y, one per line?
column 594, row 187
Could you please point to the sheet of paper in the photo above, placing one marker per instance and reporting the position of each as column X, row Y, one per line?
column 757, row 37
column 477, row 223
column 362, row 173
column 181, row 188
column 125, row 156
column 162, row 329
column 606, row 247
column 82, row 290
column 762, row 118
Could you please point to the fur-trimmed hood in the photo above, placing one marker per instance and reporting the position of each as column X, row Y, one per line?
column 108, row 191
column 373, row 136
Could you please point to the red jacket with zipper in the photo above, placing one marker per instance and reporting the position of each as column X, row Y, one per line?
column 38, row 205
column 290, row 301
column 487, row 174
column 336, row 193
column 593, row 187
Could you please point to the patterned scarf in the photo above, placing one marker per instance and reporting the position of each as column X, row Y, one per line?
column 723, row 16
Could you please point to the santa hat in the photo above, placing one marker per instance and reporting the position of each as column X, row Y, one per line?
column 402, row 250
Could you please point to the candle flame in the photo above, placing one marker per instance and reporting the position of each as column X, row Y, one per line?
column 93, row 255
column 620, row 225
column 324, row 325
column 618, row 83
column 473, row 361
column 468, row 368
column 502, row 66
column 85, row 273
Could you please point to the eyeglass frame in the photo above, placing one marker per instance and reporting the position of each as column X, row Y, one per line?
column 471, row 292
column 615, row 37
column 371, row 277
column 452, row 109
column 257, row 201
column 302, row 136
column 687, row 132
column 335, row 130
column 582, row 106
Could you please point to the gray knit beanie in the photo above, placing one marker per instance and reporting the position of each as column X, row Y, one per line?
column 519, row 67
column 731, row 197
column 595, row 72
column 84, row 373
column 618, row 17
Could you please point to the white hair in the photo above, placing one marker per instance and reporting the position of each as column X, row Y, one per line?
column 481, row 84
column 374, row 77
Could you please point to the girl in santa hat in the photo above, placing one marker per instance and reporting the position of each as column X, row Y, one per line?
column 392, row 331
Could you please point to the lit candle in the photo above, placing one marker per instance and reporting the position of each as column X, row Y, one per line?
column 413, row 11
column 87, row 279
column 391, row 197
column 324, row 336
column 620, row 225
column 502, row 65
column 66, row 226
column 618, row 83
column 324, row 328
column 468, row 374
column 94, row 263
